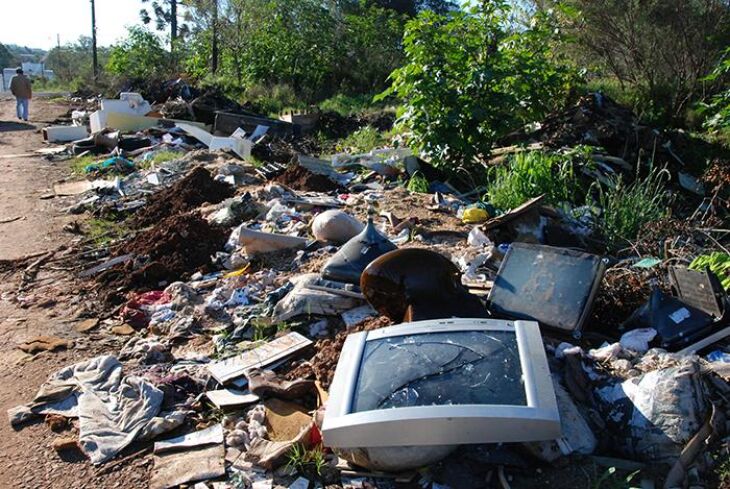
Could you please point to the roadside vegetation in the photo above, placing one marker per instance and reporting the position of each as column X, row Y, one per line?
column 460, row 76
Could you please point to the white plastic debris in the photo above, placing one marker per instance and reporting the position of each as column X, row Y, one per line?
column 638, row 339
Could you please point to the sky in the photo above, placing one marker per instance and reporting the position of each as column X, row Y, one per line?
column 35, row 23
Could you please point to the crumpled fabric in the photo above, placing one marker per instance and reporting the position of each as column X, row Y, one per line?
column 139, row 310
column 112, row 409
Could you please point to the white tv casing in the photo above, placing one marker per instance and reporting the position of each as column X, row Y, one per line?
column 449, row 424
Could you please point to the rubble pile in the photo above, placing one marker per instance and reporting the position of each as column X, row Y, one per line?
column 196, row 189
column 320, row 324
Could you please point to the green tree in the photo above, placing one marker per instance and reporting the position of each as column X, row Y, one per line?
column 140, row 57
column 470, row 78
column 660, row 49
column 6, row 58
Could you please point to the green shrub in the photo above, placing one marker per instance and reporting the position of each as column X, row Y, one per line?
column 718, row 263
column 530, row 174
column 361, row 141
column 626, row 207
column 471, row 77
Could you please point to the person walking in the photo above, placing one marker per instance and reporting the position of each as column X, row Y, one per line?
column 20, row 87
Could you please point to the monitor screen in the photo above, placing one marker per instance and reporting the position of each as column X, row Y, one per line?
column 465, row 367
column 442, row 382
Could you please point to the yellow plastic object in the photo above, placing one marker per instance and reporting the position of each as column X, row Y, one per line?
column 238, row 273
column 475, row 215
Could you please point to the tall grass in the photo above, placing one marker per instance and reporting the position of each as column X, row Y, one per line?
column 627, row 207
column 530, row 174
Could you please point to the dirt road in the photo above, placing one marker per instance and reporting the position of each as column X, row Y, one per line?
column 32, row 223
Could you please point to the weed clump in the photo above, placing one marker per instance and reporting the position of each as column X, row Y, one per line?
column 529, row 175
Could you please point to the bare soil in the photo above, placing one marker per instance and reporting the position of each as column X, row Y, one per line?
column 49, row 305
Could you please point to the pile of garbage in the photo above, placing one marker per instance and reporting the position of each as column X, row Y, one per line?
column 317, row 323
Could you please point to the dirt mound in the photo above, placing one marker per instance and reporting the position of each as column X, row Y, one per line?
column 174, row 248
column 598, row 121
column 323, row 364
column 299, row 178
column 285, row 150
column 196, row 189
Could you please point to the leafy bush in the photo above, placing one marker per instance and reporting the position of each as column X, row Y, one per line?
column 470, row 78
column 531, row 174
column 719, row 106
column 626, row 208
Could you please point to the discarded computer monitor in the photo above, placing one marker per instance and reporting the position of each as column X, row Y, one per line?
column 702, row 290
column 554, row 286
column 442, row 382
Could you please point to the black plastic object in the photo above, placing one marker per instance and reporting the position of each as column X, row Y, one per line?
column 677, row 323
column 349, row 262
column 415, row 285
column 554, row 286
column 700, row 289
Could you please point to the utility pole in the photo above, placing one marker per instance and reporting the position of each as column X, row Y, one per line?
column 93, row 41
column 214, row 47
column 173, row 22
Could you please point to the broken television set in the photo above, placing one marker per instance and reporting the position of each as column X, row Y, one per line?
column 442, row 382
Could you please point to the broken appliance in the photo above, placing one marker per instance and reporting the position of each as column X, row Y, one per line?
column 554, row 286
column 442, row 383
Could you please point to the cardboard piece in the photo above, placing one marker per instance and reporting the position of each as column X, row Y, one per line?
column 174, row 469
column 284, row 420
column 262, row 356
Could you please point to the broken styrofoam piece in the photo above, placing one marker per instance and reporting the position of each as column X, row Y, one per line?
column 209, row 436
column 255, row 242
column 262, row 356
column 64, row 134
column 336, row 226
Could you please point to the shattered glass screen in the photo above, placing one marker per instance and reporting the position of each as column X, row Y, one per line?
column 436, row 369
column 547, row 285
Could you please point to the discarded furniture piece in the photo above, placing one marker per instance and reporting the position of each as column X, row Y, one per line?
column 415, row 284
column 228, row 122
column 104, row 119
column 265, row 355
column 457, row 381
column 554, row 286
column 64, row 134
column 349, row 262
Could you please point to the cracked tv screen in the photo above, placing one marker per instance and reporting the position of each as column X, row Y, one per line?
column 438, row 369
